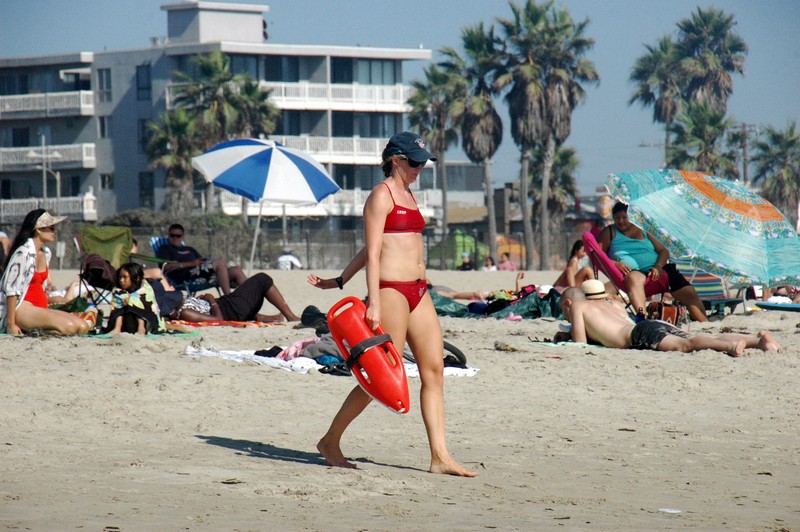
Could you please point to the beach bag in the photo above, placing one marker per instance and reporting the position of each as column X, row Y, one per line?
column 658, row 310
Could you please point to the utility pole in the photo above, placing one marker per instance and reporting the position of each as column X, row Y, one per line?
column 746, row 129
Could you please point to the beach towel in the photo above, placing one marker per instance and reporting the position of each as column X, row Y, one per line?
column 220, row 323
column 301, row 364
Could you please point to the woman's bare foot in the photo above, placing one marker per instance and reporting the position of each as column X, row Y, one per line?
column 767, row 343
column 451, row 467
column 333, row 455
column 737, row 348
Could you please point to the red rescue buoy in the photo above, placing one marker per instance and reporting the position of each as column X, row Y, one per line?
column 371, row 356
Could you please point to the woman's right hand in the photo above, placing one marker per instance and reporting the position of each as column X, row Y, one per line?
column 373, row 316
column 13, row 328
column 624, row 268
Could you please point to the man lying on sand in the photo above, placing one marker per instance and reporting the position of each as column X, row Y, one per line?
column 606, row 322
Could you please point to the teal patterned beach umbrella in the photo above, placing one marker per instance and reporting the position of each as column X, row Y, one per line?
column 721, row 226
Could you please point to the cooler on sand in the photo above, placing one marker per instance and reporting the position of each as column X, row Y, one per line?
column 372, row 358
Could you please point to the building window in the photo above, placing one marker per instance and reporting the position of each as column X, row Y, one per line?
column 341, row 70
column 143, row 135
column 146, row 189
column 74, row 184
column 289, row 123
column 103, row 127
column 20, row 137
column 104, row 84
column 282, row 68
column 106, row 181
column 375, row 72
column 144, row 84
column 245, row 64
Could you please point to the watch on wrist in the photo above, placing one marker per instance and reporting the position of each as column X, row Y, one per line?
column 340, row 282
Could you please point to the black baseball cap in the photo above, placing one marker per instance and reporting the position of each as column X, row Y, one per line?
column 409, row 144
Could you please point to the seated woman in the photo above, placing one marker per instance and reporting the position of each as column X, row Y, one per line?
column 23, row 300
column 242, row 304
column 133, row 303
column 639, row 256
column 574, row 274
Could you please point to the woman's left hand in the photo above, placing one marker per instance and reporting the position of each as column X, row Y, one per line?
column 654, row 273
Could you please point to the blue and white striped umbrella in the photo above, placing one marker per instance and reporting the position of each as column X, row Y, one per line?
column 266, row 170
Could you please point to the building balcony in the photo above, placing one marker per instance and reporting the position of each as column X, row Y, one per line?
column 46, row 105
column 59, row 157
column 343, row 203
column 81, row 208
column 304, row 96
column 336, row 150
column 339, row 97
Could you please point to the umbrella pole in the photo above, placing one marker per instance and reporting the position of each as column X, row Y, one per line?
column 255, row 238
column 285, row 227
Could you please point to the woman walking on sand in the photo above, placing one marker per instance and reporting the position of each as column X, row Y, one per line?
column 398, row 299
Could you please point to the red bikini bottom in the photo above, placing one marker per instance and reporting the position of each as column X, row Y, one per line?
column 411, row 290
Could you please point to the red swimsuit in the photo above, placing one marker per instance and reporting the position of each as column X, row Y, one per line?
column 405, row 220
column 35, row 294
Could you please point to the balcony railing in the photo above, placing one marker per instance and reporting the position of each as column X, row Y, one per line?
column 340, row 97
column 82, row 208
column 59, row 157
column 343, row 203
column 331, row 96
column 340, row 150
column 50, row 104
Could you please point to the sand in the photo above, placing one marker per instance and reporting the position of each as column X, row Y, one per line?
column 131, row 434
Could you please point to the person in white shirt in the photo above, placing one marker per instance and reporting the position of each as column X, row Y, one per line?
column 288, row 261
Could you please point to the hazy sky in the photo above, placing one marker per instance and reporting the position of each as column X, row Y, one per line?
column 606, row 132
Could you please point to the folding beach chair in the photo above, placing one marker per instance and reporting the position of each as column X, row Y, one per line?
column 191, row 287
column 602, row 262
column 103, row 249
column 709, row 287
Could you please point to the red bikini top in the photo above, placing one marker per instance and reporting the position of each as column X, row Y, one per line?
column 403, row 219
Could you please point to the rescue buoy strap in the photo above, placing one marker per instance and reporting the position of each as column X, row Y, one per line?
column 357, row 350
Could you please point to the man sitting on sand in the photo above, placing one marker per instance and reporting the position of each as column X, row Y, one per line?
column 606, row 322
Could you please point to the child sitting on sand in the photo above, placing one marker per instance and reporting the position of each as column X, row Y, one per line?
column 133, row 303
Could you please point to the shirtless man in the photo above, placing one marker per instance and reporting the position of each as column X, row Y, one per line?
column 606, row 322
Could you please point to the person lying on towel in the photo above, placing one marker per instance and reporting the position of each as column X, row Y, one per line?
column 243, row 304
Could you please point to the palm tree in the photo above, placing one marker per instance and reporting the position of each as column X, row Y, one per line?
column 256, row 115
column 699, row 138
column 777, row 168
column 546, row 75
column 209, row 94
column 709, row 54
column 172, row 144
column 658, row 81
column 522, row 74
column 564, row 185
column 481, row 125
column 431, row 117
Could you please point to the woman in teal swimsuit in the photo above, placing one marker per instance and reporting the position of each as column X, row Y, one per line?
column 639, row 256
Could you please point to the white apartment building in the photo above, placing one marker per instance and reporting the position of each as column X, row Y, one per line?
column 73, row 127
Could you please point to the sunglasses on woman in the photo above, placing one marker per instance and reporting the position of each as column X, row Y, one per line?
column 413, row 164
